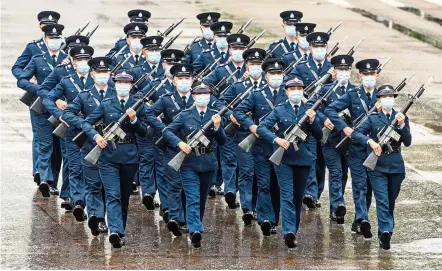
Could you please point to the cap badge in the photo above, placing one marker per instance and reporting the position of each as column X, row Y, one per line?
column 82, row 51
column 276, row 65
column 77, row 41
column 223, row 28
column 343, row 61
column 50, row 17
column 306, row 28
column 238, row 39
column 183, row 69
column 387, row 88
column 140, row 14
column 256, row 54
column 137, row 28
column 318, row 38
column 296, row 80
column 54, row 30
column 368, row 66
column 154, row 41
column 124, row 73
column 101, row 63
column 172, row 55
column 292, row 16
column 209, row 18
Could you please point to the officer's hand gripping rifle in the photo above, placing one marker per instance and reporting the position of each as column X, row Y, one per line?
column 198, row 137
column 169, row 29
column 389, row 133
column 295, row 133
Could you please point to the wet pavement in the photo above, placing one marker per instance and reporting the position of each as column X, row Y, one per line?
column 36, row 234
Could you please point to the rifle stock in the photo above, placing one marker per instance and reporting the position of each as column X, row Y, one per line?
column 247, row 142
column 371, row 161
column 61, row 131
column 37, row 105
column 55, row 122
column 27, row 98
column 80, row 139
column 276, row 157
column 177, row 161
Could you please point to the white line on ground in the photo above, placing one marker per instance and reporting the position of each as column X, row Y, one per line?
column 393, row 3
column 341, row 3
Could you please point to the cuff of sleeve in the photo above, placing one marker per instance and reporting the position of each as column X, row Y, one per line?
column 134, row 121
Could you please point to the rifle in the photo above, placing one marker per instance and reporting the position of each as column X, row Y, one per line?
column 333, row 51
column 188, row 46
column 172, row 40
column 389, row 133
column 244, row 26
column 37, row 105
column 89, row 34
column 255, row 39
column 198, row 137
column 115, row 54
column 231, row 128
column 332, row 30
column 114, row 131
column 207, row 69
column 270, row 52
column 78, row 32
column 26, row 98
column 316, row 85
column 250, row 140
column 119, row 65
column 295, row 133
column 81, row 137
column 345, row 143
column 169, row 29
column 222, row 82
column 292, row 65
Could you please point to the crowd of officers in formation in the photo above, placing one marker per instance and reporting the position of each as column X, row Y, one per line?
column 240, row 117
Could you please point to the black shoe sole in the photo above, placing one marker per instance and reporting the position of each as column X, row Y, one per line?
column 247, row 218
column 166, row 217
column 37, row 179
column 69, row 208
column 79, row 214
column 289, row 240
column 64, row 205
column 148, row 203
column 174, row 228
column 309, row 202
column 365, row 228
column 44, row 190
column 115, row 240
column 196, row 239
column 385, row 240
column 212, row 193
column 230, row 200
column 340, row 213
column 265, row 228
column 93, row 225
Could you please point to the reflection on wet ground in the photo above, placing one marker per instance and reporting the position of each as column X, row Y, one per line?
column 37, row 234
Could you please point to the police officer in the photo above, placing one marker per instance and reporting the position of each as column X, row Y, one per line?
column 69, row 88
column 387, row 177
column 237, row 45
column 197, row 172
column 260, row 103
column 336, row 162
column 221, row 48
column 358, row 101
column 135, row 15
column 49, row 154
column 134, row 33
column 207, row 42
column 81, row 107
column 118, row 166
column 294, row 170
column 37, row 47
column 287, row 44
column 302, row 46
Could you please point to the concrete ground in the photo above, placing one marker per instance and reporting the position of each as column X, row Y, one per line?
column 36, row 234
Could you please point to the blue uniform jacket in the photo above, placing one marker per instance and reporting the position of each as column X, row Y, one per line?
column 257, row 104
column 130, row 63
column 56, row 75
column 36, row 47
column 308, row 71
column 81, row 107
column 196, row 49
column 224, row 70
column 207, row 57
column 117, row 47
column 284, row 115
column 139, row 71
column 376, row 122
column 110, row 111
column 352, row 101
column 187, row 122
column 335, row 136
column 40, row 66
column 284, row 47
column 290, row 57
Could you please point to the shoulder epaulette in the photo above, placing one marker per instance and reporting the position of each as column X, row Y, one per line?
column 37, row 55
column 66, row 77
column 187, row 109
column 107, row 99
column 277, row 41
column 281, row 104
column 196, row 40
column 168, row 94
column 207, row 50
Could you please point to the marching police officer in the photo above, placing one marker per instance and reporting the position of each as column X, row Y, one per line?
column 303, row 46
column 294, row 170
column 260, row 103
column 81, row 107
column 237, row 45
column 49, row 155
column 135, row 15
column 207, row 42
column 387, row 177
column 336, row 162
column 69, row 88
column 358, row 101
column 134, row 33
column 287, row 44
column 197, row 172
column 118, row 166
column 220, row 50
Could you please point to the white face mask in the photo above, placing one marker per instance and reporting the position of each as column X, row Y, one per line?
column 122, row 89
column 83, row 67
column 154, row 57
column 54, row 44
column 136, row 45
column 295, row 96
column 319, row 53
column 343, row 76
column 255, row 71
column 369, row 81
column 290, row 30
column 237, row 55
column 221, row 43
column 387, row 103
column 303, row 43
column 275, row 80
column 208, row 34
column 202, row 99
column 101, row 79
column 183, row 85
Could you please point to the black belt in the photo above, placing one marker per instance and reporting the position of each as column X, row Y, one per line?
column 128, row 140
column 203, row 150
column 396, row 149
